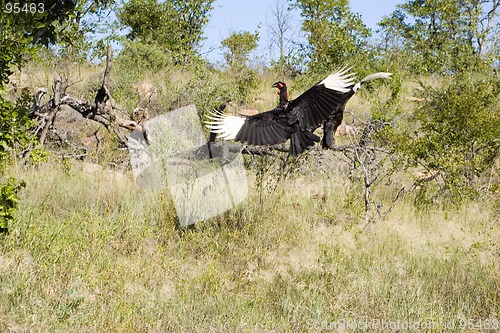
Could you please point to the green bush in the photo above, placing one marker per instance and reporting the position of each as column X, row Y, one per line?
column 458, row 133
column 14, row 125
column 9, row 201
column 14, row 134
column 138, row 55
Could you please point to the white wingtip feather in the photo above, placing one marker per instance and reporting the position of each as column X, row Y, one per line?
column 379, row 75
column 227, row 127
column 339, row 81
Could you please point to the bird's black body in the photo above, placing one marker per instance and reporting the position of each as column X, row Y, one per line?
column 269, row 128
column 333, row 120
column 276, row 126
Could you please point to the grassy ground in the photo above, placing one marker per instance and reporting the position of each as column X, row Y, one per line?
column 91, row 252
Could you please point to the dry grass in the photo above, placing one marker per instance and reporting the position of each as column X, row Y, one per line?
column 90, row 252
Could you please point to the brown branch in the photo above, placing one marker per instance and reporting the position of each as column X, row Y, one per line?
column 97, row 111
column 56, row 100
column 401, row 194
column 103, row 94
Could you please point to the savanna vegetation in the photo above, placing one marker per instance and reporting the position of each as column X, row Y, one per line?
column 397, row 229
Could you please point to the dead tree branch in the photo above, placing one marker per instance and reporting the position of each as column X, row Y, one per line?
column 366, row 157
column 101, row 110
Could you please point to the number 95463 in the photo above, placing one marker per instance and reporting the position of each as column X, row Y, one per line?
column 28, row 8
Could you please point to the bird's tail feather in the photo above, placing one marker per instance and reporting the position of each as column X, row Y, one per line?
column 301, row 140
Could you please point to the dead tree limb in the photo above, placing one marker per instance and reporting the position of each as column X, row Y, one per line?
column 98, row 110
column 103, row 94
column 56, row 100
column 364, row 156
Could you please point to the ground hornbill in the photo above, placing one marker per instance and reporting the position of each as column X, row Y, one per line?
column 292, row 119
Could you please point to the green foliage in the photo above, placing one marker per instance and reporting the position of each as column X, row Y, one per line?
column 386, row 111
column 334, row 33
column 9, row 201
column 65, row 23
column 75, row 37
column 138, row 55
column 37, row 20
column 238, row 47
column 246, row 82
column 458, row 133
column 15, row 46
column 38, row 155
column 144, row 17
column 174, row 26
column 211, row 88
column 442, row 36
column 14, row 125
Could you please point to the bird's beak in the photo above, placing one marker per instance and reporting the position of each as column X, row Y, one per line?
column 276, row 85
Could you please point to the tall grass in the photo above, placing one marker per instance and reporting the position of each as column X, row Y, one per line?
column 91, row 252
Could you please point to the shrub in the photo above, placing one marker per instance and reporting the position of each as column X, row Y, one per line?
column 458, row 133
column 138, row 55
column 9, row 201
column 14, row 133
column 14, row 125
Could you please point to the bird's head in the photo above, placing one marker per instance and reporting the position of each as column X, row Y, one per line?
column 279, row 84
column 282, row 91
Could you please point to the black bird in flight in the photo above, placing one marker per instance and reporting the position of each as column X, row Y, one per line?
column 292, row 119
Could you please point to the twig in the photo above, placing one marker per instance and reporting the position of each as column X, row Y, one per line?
column 400, row 192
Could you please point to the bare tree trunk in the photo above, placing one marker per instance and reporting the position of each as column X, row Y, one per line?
column 279, row 28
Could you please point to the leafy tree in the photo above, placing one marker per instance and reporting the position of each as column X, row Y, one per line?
column 74, row 33
column 440, row 36
column 176, row 26
column 25, row 27
column 36, row 20
column 13, row 48
column 335, row 34
column 15, row 124
column 238, row 47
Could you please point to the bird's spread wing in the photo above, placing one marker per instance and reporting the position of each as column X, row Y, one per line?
column 266, row 128
column 316, row 104
column 379, row 75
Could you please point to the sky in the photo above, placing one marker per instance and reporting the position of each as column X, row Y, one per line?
column 255, row 15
